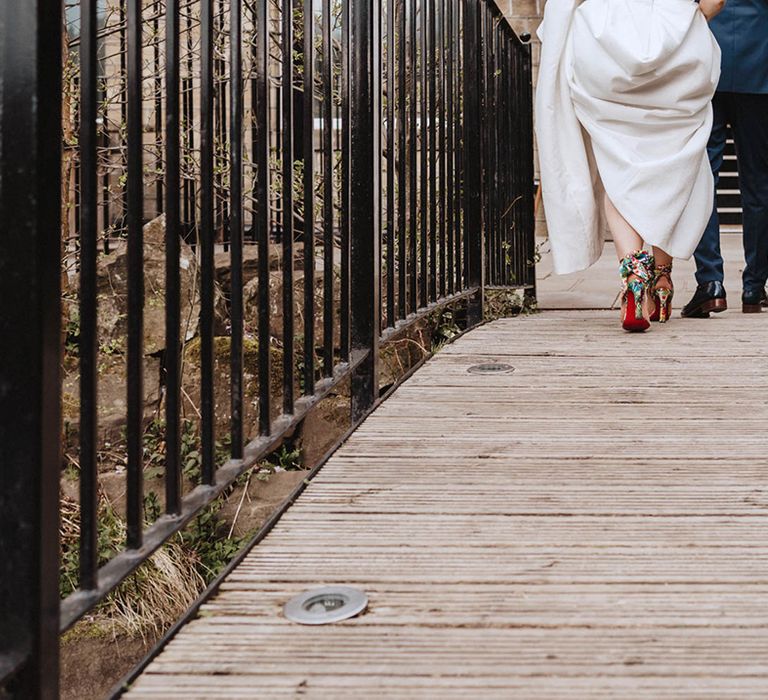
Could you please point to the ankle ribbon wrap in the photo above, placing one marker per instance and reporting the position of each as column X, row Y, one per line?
column 640, row 264
column 662, row 271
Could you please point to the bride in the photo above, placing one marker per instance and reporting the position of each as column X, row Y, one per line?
column 623, row 115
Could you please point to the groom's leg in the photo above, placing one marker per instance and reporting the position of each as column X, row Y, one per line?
column 750, row 126
column 709, row 261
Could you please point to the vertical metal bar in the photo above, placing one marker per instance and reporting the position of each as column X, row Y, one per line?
column 424, row 156
column 520, row 177
column 103, row 136
column 252, row 127
column 190, row 189
column 135, row 358
column 440, row 58
column 158, row 106
column 508, row 170
column 105, row 188
column 186, row 150
column 485, row 107
column 487, row 111
column 451, row 40
column 526, row 88
column 413, row 156
column 508, row 163
column 207, row 204
column 30, row 414
column 236, row 222
column 262, row 220
column 492, row 129
column 402, row 157
column 123, row 113
column 172, row 252
column 345, row 181
column 519, row 219
column 473, row 213
column 460, row 185
column 220, row 78
column 218, row 136
column 217, row 123
column 489, row 126
column 88, row 333
column 432, row 147
column 288, row 218
column 391, row 159
column 365, row 176
column 493, row 169
column 77, row 120
column 515, row 142
column 328, row 210
column 507, row 181
column 514, row 138
column 309, row 198
column 503, row 193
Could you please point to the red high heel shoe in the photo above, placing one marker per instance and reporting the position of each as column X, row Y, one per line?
column 662, row 296
column 638, row 266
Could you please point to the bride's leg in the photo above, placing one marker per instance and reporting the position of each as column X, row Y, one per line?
column 663, row 289
column 662, row 260
column 626, row 241
column 625, row 238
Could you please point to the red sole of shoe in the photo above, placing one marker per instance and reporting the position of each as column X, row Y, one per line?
column 630, row 322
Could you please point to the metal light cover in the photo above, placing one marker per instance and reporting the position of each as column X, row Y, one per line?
column 491, row 368
column 326, row 605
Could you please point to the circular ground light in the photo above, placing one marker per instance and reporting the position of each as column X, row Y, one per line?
column 324, row 606
column 491, row 368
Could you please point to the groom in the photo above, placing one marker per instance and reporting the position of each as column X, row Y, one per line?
column 741, row 100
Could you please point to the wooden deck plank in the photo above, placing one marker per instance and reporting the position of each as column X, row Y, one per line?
column 517, row 536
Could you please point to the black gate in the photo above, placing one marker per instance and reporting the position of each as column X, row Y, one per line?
column 381, row 149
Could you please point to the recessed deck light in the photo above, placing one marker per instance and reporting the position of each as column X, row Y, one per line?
column 491, row 368
column 326, row 605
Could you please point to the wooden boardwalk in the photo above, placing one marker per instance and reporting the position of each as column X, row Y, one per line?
column 592, row 525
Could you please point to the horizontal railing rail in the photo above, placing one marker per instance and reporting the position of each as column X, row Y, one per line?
column 226, row 208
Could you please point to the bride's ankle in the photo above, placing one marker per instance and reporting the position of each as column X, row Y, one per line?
column 663, row 277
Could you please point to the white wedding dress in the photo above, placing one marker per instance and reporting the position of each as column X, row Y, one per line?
column 623, row 105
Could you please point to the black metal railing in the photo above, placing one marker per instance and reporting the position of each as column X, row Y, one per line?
column 370, row 161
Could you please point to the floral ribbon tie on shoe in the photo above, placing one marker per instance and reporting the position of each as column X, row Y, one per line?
column 640, row 264
column 663, row 294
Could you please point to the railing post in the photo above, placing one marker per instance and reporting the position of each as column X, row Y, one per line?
column 530, row 215
column 473, row 166
column 30, row 324
column 364, row 197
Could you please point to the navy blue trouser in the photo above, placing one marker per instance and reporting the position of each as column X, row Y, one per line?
column 748, row 116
